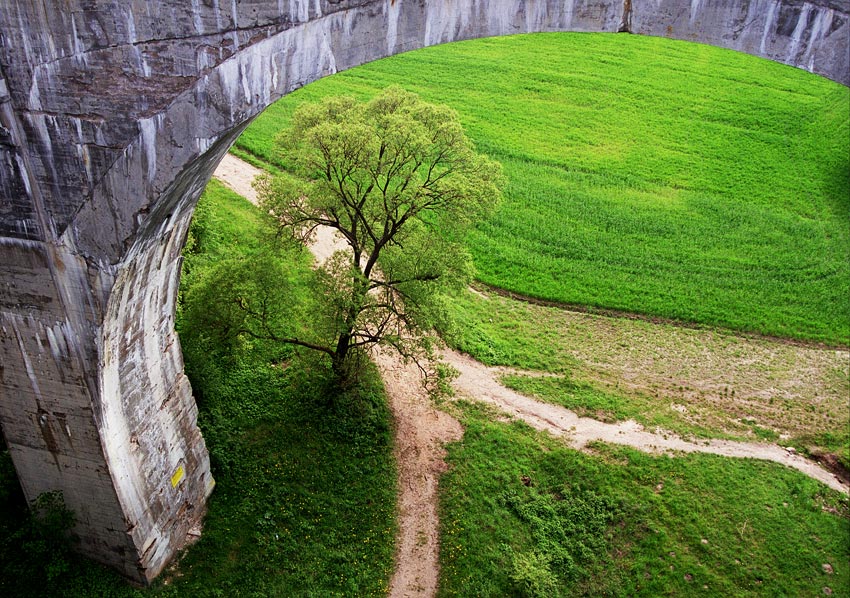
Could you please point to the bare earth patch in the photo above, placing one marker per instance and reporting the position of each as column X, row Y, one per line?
column 477, row 381
column 715, row 381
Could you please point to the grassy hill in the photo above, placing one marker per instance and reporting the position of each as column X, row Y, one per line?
column 671, row 179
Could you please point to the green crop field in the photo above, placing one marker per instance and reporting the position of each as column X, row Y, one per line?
column 652, row 176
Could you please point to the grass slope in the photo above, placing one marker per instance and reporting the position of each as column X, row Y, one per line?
column 305, row 498
column 523, row 515
column 646, row 175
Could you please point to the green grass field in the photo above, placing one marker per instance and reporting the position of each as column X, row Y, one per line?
column 652, row 176
column 305, row 499
column 522, row 515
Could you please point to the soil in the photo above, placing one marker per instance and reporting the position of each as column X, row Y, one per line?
column 422, row 431
column 238, row 175
column 833, row 464
column 712, row 383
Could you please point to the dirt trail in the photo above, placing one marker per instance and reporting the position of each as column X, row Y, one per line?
column 238, row 175
column 481, row 382
column 422, row 431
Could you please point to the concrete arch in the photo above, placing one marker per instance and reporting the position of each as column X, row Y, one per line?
column 112, row 120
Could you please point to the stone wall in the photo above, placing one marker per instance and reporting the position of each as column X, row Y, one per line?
column 810, row 35
column 113, row 116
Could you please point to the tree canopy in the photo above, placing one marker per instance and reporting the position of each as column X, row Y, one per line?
column 399, row 182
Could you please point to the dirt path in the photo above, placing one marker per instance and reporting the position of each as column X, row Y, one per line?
column 421, row 433
column 238, row 175
column 480, row 382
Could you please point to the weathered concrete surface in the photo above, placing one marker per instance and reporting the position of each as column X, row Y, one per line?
column 112, row 118
column 810, row 35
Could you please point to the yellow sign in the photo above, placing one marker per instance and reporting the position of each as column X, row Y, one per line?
column 178, row 476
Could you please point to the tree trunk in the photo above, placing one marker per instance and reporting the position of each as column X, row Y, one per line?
column 338, row 364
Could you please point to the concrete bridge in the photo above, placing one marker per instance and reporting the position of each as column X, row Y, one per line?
column 113, row 115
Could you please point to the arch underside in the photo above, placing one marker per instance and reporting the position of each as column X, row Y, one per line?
column 114, row 119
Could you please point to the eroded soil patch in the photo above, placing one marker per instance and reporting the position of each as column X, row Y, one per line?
column 702, row 383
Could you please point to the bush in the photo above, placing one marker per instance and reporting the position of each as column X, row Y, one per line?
column 35, row 548
column 531, row 575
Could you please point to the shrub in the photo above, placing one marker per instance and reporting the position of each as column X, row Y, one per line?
column 35, row 548
column 531, row 575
